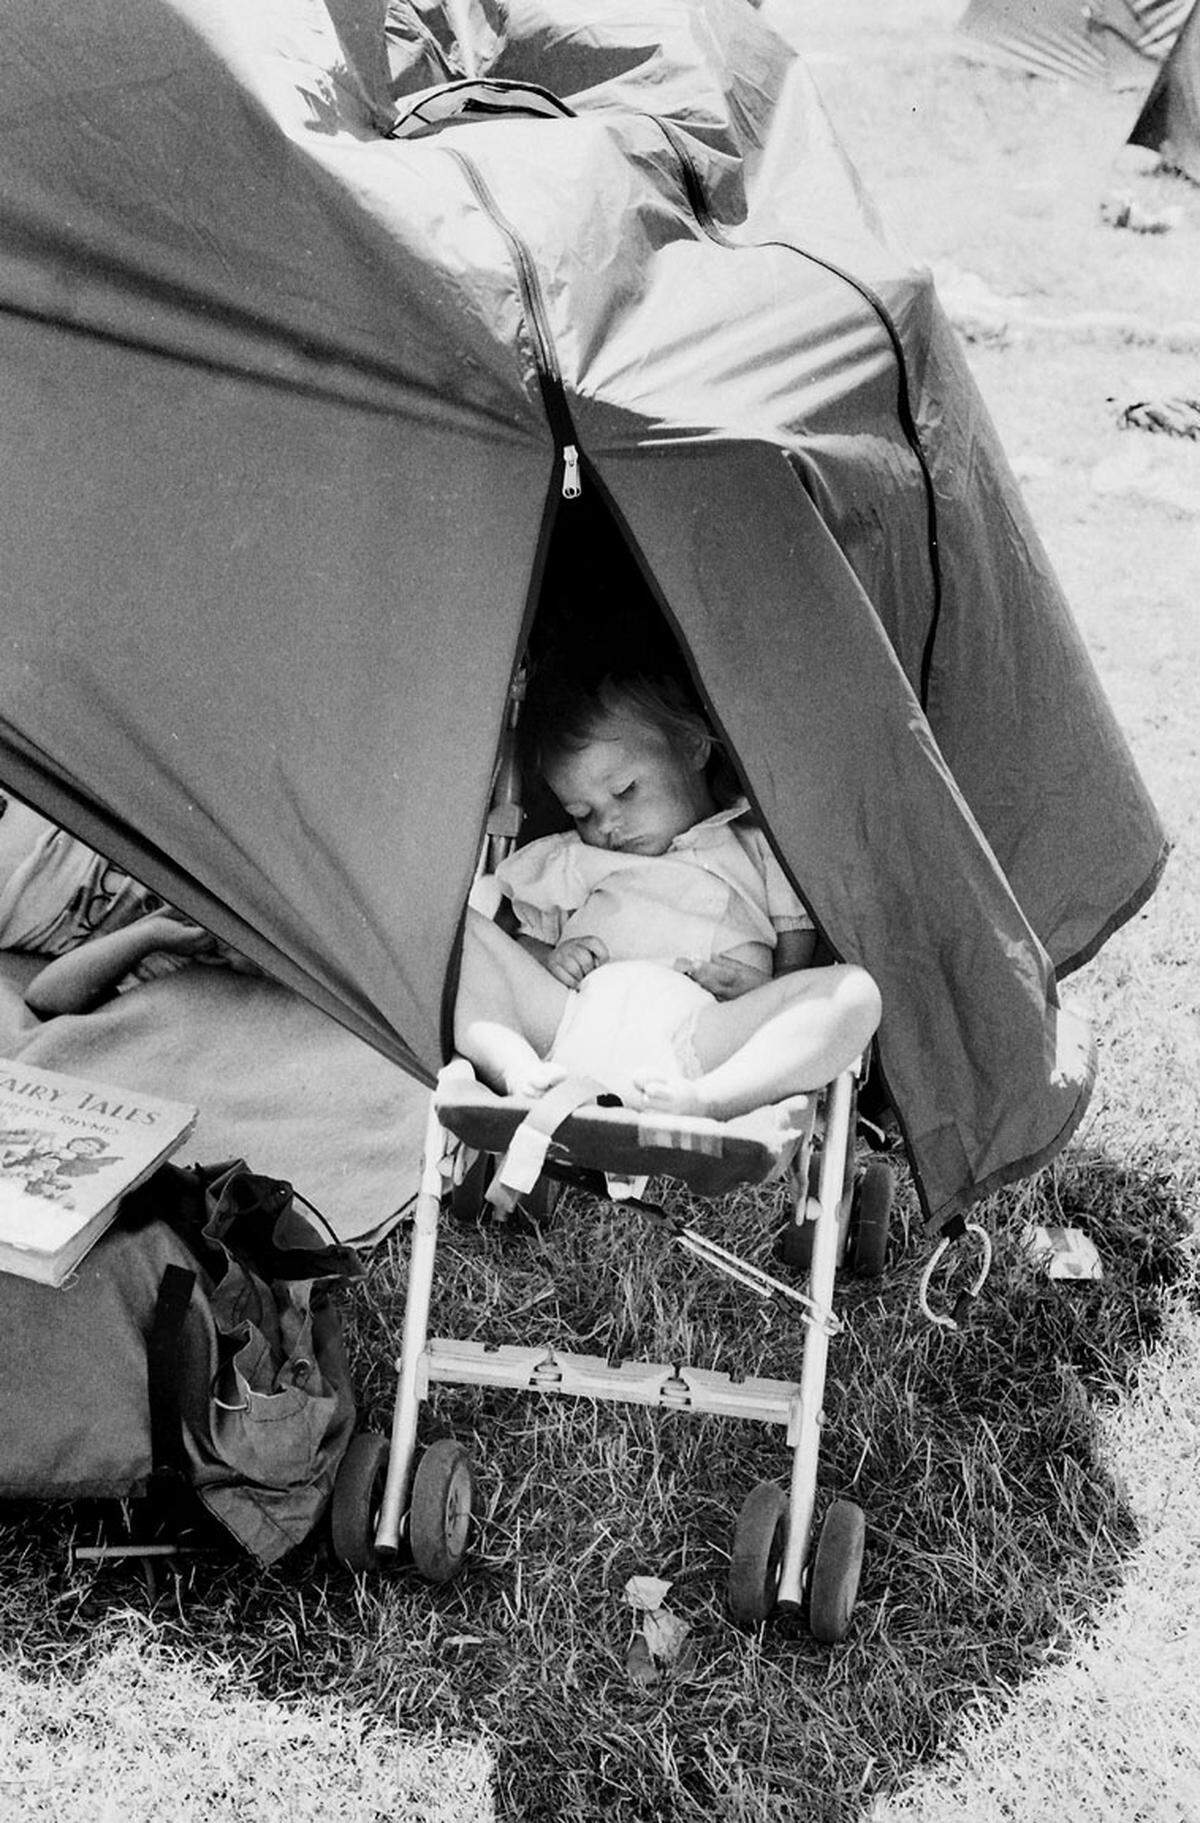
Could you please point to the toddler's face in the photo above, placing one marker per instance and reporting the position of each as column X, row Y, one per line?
column 630, row 789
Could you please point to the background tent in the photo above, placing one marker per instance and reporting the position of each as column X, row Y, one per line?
column 291, row 417
column 1169, row 122
column 1110, row 43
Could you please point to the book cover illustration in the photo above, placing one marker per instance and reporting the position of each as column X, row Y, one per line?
column 69, row 1150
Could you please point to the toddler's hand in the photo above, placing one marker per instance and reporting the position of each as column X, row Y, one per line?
column 724, row 978
column 576, row 957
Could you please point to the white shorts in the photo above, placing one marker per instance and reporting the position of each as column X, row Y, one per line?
column 630, row 1019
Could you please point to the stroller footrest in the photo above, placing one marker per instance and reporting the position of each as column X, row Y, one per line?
column 662, row 1383
column 708, row 1155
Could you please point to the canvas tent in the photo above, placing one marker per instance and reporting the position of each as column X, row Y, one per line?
column 289, row 409
column 1109, row 43
column 1169, row 122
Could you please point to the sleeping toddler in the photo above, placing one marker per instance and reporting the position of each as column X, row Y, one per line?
column 660, row 949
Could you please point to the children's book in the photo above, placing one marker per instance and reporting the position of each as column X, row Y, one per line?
column 69, row 1151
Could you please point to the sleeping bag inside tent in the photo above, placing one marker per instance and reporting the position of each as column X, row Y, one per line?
column 302, row 394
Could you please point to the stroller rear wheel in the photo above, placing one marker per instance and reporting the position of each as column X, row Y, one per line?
column 796, row 1241
column 439, row 1517
column 354, row 1504
column 795, row 1246
column 870, row 1220
column 837, row 1565
column 540, row 1203
column 755, row 1562
column 468, row 1197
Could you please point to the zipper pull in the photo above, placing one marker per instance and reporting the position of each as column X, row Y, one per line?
column 572, row 487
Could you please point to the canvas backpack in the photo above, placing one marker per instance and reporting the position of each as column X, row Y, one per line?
column 198, row 1347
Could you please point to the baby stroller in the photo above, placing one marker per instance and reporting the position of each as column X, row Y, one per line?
column 484, row 1148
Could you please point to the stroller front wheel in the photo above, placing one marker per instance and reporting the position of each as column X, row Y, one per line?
column 439, row 1516
column 837, row 1564
column 354, row 1504
column 756, row 1560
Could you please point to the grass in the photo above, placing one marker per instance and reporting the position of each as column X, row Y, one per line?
column 995, row 1528
column 1028, row 1481
column 1107, row 1732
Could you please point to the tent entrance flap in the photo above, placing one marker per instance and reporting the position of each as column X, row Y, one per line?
column 861, row 805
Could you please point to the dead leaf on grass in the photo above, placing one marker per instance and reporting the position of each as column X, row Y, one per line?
column 661, row 1637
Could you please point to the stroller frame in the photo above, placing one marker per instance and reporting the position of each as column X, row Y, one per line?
column 390, row 1496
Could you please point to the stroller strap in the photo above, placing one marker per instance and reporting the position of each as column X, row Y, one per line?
column 525, row 1159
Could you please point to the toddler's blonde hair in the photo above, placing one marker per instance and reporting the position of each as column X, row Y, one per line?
column 562, row 716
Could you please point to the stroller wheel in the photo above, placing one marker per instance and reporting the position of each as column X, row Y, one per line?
column 439, row 1516
column 539, row 1203
column 871, row 1216
column 837, row 1564
column 354, row 1504
column 795, row 1245
column 757, row 1556
column 466, row 1198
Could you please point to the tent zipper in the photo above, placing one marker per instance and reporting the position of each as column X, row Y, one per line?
column 550, row 381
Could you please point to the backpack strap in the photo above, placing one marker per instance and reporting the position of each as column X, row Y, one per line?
column 168, row 1457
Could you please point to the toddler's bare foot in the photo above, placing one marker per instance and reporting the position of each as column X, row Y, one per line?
column 672, row 1095
column 532, row 1079
column 507, row 1061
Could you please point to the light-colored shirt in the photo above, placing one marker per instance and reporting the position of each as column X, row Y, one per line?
column 718, row 889
column 55, row 892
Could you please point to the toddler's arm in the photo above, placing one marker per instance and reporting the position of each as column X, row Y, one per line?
column 724, row 977
column 568, row 959
column 575, row 957
column 537, row 947
column 728, row 977
column 81, row 979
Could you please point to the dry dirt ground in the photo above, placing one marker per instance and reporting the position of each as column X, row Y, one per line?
column 996, row 180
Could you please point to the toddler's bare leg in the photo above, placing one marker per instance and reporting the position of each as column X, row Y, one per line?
column 507, row 1011
column 796, row 1032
